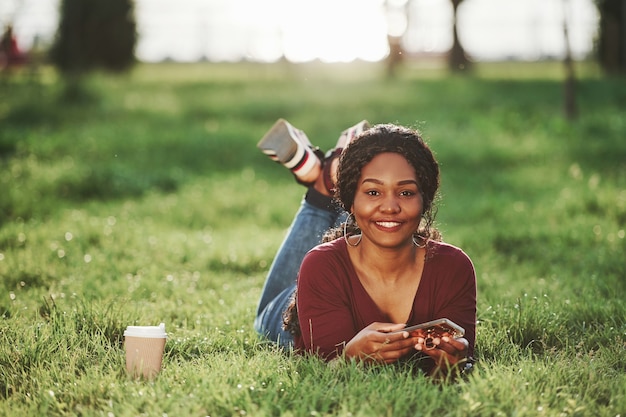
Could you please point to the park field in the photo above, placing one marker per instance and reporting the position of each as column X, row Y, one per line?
column 142, row 199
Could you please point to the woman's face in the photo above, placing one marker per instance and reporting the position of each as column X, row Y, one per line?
column 388, row 204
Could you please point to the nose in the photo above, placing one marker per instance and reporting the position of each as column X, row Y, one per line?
column 389, row 204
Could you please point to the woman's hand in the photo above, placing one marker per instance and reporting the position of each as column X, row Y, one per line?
column 445, row 350
column 376, row 343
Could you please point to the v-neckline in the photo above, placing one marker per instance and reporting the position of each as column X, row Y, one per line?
column 354, row 277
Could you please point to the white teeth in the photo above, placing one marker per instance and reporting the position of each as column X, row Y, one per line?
column 388, row 224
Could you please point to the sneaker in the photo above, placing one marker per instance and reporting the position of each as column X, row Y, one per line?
column 330, row 166
column 289, row 146
column 350, row 133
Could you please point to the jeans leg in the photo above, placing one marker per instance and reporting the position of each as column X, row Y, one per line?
column 305, row 232
column 269, row 322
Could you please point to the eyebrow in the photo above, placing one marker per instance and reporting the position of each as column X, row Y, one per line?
column 379, row 182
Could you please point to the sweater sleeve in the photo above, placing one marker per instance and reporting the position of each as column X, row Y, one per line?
column 324, row 303
column 455, row 292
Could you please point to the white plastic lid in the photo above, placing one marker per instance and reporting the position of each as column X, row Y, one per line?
column 146, row 331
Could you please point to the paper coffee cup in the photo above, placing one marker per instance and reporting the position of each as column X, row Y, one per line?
column 144, row 347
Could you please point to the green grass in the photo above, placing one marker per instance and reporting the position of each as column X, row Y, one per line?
column 148, row 202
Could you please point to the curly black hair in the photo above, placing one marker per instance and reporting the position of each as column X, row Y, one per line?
column 407, row 142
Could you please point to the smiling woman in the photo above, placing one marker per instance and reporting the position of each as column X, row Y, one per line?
column 356, row 292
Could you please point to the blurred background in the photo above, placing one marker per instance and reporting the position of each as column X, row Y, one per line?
column 341, row 31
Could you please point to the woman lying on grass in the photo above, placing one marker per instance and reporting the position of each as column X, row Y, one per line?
column 383, row 265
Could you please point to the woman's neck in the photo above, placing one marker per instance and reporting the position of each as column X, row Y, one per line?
column 389, row 264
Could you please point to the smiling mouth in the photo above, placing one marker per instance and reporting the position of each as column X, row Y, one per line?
column 388, row 225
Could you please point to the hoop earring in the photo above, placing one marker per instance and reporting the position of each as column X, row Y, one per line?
column 345, row 232
column 422, row 246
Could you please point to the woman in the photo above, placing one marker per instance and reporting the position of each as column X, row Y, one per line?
column 389, row 268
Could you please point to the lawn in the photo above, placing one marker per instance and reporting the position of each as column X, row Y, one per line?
column 145, row 200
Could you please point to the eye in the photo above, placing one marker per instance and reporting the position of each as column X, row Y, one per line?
column 372, row 193
column 407, row 193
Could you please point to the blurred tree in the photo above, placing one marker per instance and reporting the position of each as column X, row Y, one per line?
column 94, row 34
column 457, row 58
column 397, row 12
column 569, row 86
column 611, row 42
column 395, row 57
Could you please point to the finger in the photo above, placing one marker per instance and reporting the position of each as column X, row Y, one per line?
column 427, row 345
column 398, row 344
column 460, row 343
column 449, row 354
column 387, row 338
column 435, row 354
column 401, row 336
column 427, row 342
column 433, row 347
column 454, row 348
column 394, row 350
column 390, row 356
column 389, row 327
column 444, row 354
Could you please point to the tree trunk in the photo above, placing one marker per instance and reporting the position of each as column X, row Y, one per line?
column 612, row 36
column 569, row 86
column 394, row 38
column 457, row 59
column 395, row 58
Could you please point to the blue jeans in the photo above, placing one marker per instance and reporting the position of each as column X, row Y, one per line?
column 306, row 231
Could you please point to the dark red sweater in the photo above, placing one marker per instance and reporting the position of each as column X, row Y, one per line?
column 333, row 306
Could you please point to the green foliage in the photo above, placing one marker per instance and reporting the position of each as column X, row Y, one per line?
column 152, row 204
column 94, row 34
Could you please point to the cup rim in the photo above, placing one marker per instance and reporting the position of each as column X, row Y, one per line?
column 146, row 331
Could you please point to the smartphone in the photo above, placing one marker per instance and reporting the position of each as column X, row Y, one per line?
column 437, row 328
